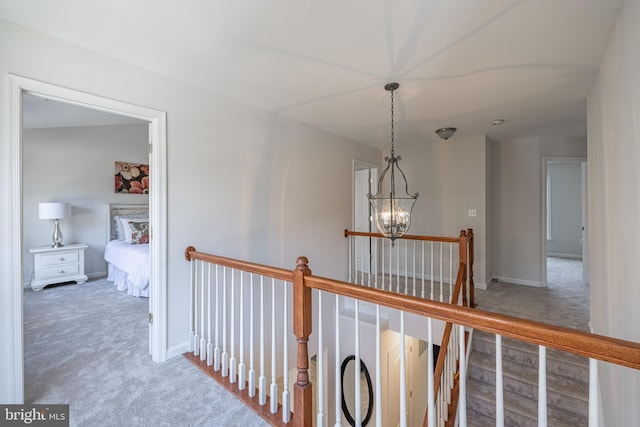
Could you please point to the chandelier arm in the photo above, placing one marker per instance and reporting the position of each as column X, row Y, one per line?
column 380, row 180
column 406, row 184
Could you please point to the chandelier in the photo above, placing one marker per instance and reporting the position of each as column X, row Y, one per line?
column 392, row 214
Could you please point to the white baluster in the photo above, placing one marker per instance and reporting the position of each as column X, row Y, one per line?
column 357, row 369
column 441, row 276
column 242, row 369
column 403, row 374
column 542, row 386
column 191, row 306
column 203, row 341
column 196, row 333
column 320, row 421
column 390, row 265
column 338, row 377
column 209, row 318
column 422, row 257
column 351, row 258
column 361, row 263
column 413, row 261
column 286, row 404
column 406, row 267
column 273, row 396
column 398, row 269
column 232, row 360
column 432, row 275
column 463, row 380
column 216, row 349
column 382, row 269
column 499, row 384
column 262, row 380
column 378, row 369
column 593, row 393
column 252, row 370
column 451, row 281
column 431, row 421
column 225, row 355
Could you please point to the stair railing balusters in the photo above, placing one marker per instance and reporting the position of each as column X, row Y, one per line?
column 338, row 377
column 252, row 369
column 542, row 386
column 262, row 380
column 286, row 407
column 203, row 341
column 209, row 318
column 273, row 394
column 499, row 384
column 225, row 354
column 192, row 287
column 196, row 335
column 242, row 369
column 320, row 414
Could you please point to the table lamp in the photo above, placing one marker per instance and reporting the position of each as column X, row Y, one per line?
column 55, row 211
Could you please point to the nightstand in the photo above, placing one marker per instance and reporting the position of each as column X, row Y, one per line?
column 58, row 265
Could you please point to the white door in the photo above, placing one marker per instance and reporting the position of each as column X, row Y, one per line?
column 362, row 220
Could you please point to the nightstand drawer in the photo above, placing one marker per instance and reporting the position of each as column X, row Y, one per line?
column 63, row 258
column 60, row 271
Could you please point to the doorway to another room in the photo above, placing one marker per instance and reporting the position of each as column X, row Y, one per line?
column 565, row 217
column 365, row 176
column 154, row 133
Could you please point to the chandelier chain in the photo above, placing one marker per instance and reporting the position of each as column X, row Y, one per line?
column 392, row 127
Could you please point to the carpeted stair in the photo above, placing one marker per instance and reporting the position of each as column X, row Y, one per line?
column 567, row 384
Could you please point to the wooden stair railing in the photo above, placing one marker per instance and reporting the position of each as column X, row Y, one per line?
column 596, row 347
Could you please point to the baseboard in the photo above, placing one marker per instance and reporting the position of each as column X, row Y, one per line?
column 518, row 281
column 98, row 275
column 569, row 256
column 482, row 286
column 177, row 350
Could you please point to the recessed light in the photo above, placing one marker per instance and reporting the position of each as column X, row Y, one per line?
column 497, row 122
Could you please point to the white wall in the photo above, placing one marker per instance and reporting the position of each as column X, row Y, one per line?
column 241, row 182
column 517, row 185
column 75, row 165
column 451, row 179
column 565, row 209
column 614, row 208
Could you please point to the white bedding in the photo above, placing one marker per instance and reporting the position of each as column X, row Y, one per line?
column 128, row 267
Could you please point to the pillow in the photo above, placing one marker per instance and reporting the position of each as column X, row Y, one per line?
column 139, row 232
column 126, row 227
column 122, row 226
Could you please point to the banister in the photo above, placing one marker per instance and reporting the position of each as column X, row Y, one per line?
column 613, row 350
column 265, row 270
column 348, row 233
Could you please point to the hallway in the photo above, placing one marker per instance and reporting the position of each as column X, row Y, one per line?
column 565, row 302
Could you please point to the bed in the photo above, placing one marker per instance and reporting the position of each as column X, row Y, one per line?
column 127, row 250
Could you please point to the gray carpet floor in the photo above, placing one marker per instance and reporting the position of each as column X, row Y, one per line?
column 87, row 345
column 564, row 302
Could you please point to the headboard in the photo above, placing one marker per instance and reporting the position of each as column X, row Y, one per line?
column 122, row 210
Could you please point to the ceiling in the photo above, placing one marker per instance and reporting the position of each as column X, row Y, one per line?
column 459, row 63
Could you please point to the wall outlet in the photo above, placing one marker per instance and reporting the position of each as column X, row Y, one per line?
column 472, row 213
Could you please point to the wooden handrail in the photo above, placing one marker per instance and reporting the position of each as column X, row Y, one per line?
column 348, row 233
column 613, row 350
column 265, row 270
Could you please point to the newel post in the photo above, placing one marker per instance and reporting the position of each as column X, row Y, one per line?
column 472, row 284
column 302, row 310
column 462, row 248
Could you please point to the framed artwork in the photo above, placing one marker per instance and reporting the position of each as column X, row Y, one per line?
column 131, row 178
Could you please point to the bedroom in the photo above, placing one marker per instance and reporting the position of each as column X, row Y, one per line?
column 74, row 162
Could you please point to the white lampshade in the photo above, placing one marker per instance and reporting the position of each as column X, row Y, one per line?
column 54, row 210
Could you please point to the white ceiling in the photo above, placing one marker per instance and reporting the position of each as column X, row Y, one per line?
column 459, row 63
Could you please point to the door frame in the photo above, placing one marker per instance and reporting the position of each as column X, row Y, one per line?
column 18, row 85
column 373, row 176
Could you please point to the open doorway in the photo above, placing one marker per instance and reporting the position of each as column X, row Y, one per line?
column 565, row 218
column 365, row 175
column 18, row 86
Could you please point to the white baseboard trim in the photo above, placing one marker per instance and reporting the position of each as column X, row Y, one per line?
column 519, row 281
column 482, row 286
column 98, row 275
column 558, row 255
column 177, row 350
